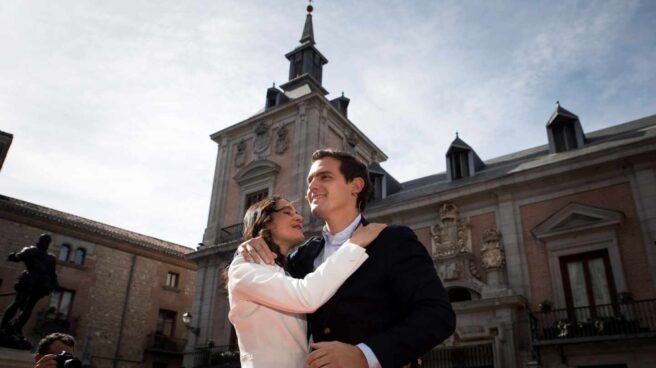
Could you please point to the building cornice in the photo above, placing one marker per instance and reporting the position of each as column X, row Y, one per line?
column 114, row 237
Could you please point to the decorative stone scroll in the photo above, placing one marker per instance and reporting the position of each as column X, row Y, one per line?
column 451, row 235
column 492, row 254
column 350, row 141
column 262, row 138
column 452, row 250
column 240, row 156
column 281, row 139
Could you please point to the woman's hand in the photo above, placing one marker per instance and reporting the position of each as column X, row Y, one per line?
column 364, row 235
column 256, row 250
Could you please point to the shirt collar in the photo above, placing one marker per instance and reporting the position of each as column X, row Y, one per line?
column 342, row 236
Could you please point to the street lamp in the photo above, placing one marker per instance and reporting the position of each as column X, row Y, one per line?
column 186, row 319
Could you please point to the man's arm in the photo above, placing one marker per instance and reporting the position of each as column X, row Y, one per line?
column 429, row 319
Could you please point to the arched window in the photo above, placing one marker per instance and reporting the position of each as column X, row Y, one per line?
column 64, row 251
column 80, row 254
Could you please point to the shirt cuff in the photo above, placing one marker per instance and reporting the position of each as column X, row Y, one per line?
column 372, row 361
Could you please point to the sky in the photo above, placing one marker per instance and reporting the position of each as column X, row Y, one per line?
column 112, row 103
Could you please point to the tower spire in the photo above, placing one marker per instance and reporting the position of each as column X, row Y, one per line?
column 305, row 61
column 308, row 30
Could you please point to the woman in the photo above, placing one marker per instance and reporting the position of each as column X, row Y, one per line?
column 267, row 307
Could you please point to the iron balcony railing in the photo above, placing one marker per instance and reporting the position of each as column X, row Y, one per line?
column 159, row 342
column 631, row 319
column 475, row 356
column 232, row 232
column 226, row 356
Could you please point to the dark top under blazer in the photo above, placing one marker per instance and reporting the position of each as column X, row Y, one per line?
column 394, row 303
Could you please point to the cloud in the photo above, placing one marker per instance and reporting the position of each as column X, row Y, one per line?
column 112, row 104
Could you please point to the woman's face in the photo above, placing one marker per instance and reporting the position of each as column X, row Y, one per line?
column 286, row 226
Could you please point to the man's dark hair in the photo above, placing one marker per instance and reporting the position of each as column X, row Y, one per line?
column 44, row 344
column 351, row 168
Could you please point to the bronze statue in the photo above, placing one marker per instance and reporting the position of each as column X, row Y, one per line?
column 38, row 280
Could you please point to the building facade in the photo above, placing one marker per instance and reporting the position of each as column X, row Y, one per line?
column 121, row 294
column 548, row 254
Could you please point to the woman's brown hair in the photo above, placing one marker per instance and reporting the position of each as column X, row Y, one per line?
column 258, row 216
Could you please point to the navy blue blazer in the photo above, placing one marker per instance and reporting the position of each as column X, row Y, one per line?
column 394, row 303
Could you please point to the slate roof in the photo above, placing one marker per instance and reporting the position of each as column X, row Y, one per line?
column 622, row 135
column 94, row 227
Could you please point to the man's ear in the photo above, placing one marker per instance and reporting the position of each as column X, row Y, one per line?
column 357, row 184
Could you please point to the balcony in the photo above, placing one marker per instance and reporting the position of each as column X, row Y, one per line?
column 232, row 232
column 473, row 356
column 226, row 356
column 160, row 343
column 627, row 320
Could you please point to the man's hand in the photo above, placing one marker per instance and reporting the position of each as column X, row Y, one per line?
column 256, row 250
column 48, row 361
column 336, row 354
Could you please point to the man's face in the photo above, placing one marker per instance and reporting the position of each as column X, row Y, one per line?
column 328, row 192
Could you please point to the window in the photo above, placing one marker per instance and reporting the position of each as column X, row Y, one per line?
column 564, row 137
column 172, row 279
column 64, row 251
column 61, row 301
column 377, row 184
column 80, row 254
column 297, row 66
column 588, row 282
column 459, row 162
column 166, row 322
column 255, row 197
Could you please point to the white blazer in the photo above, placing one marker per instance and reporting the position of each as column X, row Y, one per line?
column 268, row 308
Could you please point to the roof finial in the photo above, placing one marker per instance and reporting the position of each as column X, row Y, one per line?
column 308, row 32
column 342, row 93
column 274, row 85
column 456, row 134
column 557, row 103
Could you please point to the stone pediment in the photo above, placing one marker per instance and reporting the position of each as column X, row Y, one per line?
column 576, row 217
column 256, row 170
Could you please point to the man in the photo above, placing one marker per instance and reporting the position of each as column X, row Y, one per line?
column 50, row 346
column 38, row 280
column 393, row 309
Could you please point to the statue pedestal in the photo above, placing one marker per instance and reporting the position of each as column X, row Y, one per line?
column 12, row 358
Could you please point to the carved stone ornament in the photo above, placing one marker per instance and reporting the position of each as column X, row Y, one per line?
column 262, row 138
column 451, row 235
column 281, row 140
column 350, row 141
column 240, row 156
column 492, row 254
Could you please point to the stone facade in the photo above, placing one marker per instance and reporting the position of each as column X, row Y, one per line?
column 117, row 291
column 504, row 233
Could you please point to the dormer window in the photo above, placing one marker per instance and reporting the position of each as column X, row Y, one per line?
column 564, row 131
column 564, row 137
column 461, row 160
column 378, row 186
column 459, row 164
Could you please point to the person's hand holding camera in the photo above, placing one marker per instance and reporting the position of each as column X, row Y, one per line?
column 61, row 360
